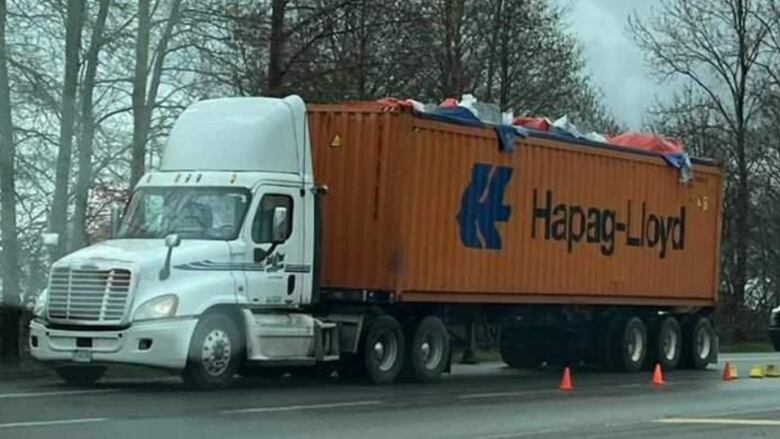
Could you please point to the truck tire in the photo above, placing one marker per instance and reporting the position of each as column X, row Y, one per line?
column 627, row 347
column 609, row 344
column 214, row 353
column 775, row 337
column 81, row 375
column 383, row 349
column 519, row 358
column 698, row 342
column 429, row 350
column 666, row 344
column 515, row 350
column 350, row 367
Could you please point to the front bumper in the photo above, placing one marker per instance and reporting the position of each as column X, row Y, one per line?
column 161, row 343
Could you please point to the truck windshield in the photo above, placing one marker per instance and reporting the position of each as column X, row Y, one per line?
column 191, row 212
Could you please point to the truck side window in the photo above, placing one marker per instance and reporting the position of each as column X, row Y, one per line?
column 261, row 226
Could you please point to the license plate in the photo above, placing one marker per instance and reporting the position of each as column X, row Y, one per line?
column 82, row 356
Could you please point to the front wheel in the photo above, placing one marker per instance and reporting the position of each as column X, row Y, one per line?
column 81, row 375
column 214, row 353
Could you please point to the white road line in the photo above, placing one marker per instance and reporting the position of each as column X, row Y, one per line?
column 745, row 412
column 722, row 358
column 55, row 393
column 502, row 394
column 526, row 433
column 290, row 408
column 49, row 423
column 721, row 421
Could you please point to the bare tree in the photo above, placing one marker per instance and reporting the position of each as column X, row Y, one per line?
column 87, row 134
column 716, row 44
column 276, row 46
column 58, row 218
column 9, row 323
column 146, row 81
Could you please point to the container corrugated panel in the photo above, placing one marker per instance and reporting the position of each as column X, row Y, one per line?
column 435, row 212
column 349, row 150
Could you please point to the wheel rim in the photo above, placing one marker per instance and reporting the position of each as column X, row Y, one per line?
column 635, row 345
column 216, row 352
column 386, row 351
column 432, row 351
column 703, row 343
column 670, row 345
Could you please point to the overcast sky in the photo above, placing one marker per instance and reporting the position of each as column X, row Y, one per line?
column 614, row 62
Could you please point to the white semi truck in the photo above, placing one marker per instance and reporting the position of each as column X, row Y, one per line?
column 216, row 266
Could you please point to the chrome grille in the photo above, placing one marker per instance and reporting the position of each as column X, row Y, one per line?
column 88, row 294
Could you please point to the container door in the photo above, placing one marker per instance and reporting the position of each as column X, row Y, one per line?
column 276, row 247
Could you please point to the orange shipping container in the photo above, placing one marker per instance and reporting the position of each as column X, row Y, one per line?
column 434, row 212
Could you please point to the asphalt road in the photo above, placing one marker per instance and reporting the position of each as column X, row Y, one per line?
column 482, row 401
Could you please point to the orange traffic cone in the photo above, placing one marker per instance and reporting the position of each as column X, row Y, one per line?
column 658, row 376
column 566, row 380
column 727, row 372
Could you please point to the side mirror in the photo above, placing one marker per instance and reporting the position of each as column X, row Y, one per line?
column 172, row 240
column 280, row 225
column 50, row 239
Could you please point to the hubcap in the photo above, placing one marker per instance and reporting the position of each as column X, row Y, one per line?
column 670, row 343
column 216, row 352
column 703, row 343
column 386, row 351
column 635, row 345
column 432, row 350
column 425, row 349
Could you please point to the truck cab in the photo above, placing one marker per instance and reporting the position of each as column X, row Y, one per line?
column 213, row 260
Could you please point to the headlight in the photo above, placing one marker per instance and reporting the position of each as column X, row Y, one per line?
column 39, row 309
column 157, row 308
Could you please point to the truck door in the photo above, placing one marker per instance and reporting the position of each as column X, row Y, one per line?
column 276, row 279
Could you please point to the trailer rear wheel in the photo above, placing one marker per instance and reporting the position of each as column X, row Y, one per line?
column 666, row 344
column 517, row 352
column 429, row 350
column 698, row 342
column 625, row 344
column 383, row 349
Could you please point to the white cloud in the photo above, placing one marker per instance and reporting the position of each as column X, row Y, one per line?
column 614, row 62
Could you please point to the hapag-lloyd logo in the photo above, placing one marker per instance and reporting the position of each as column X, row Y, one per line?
column 482, row 208
column 575, row 224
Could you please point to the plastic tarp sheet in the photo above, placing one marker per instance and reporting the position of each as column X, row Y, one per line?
column 463, row 116
column 671, row 150
column 534, row 123
column 647, row 142
column 458, row 115
column 507, row 135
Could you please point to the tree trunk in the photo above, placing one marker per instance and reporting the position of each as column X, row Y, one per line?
column 58, row 219
column 145, row 88
column 496, row 22
column 276, row 50
column 452, row 74
column 9, row 331
column 140, row 131
column 80, row 236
